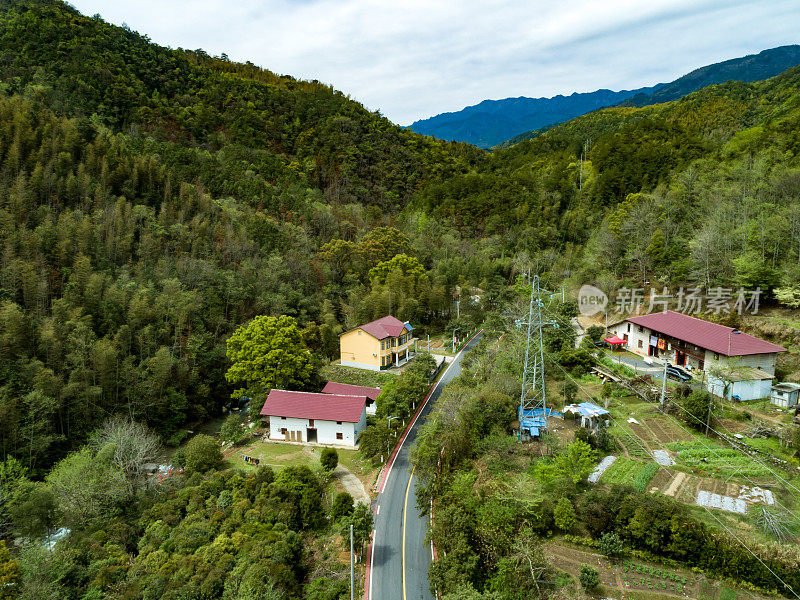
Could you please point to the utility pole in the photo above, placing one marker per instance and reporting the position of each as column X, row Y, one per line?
column 458, row 310
column 710, row 406
column 352, row 577
column 664, row 385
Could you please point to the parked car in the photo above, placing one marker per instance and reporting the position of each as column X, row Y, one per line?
column 678, row 374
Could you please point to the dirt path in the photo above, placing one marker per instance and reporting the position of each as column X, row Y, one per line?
column 352, row 484
column 675, row 485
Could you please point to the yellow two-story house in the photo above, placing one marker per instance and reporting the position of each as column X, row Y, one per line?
column 378, row 345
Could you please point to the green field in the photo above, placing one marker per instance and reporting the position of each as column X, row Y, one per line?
column 278, row 455
column 714, row 459
column 340, row 374
column 626, row 471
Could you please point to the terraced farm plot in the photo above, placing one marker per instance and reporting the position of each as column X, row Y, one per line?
column 666, row 431
column 711, row 459
column 626, row 471
column 632, row 444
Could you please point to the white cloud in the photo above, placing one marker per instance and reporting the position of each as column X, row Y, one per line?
column 412, row 59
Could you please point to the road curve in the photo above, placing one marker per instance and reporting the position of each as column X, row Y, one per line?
column 394, row 553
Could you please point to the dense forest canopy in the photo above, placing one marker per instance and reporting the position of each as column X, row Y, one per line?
column 155, row 200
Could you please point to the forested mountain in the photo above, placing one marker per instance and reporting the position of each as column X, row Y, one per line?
column 151, row 200
column 704, row 190
column 493, row 122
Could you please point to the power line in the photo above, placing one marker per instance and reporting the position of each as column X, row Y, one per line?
column 775, row 575
column 787, row 483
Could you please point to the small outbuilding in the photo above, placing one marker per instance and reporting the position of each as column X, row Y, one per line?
column 590, row 414
column 315, row 418
column 741, row 384
column 372, row 393
column 785, row 395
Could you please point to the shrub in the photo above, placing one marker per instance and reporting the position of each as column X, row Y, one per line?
column 342, row 506
column 231, row 430
column 610, row 544
column 589, row 577
column 329, row 459
column 564, row 514
column 202, row 453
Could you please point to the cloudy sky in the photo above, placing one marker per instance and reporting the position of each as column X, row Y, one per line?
column 415, row 59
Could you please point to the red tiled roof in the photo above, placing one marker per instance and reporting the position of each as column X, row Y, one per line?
column 711, row 336
column 308, row 405
column 333, row 387
column 385, row 327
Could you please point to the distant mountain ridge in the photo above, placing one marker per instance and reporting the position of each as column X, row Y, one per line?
column 493, row 122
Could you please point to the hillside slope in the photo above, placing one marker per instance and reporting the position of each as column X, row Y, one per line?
column 504, row 122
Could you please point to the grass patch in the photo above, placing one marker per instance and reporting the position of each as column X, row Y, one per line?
column 626, row 471
column 355, row 376
column 714, row 459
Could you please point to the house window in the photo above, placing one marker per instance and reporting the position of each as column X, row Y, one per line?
column 339, row 436
column 640, row 343
column 629, row 327
column 716, row 356
column 283, row 430
column 641, row 328
column 383, row 345
column 311, row 422
column 338, row 422
column 283, row 418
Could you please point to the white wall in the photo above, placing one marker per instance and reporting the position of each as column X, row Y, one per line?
column 765, row 362
column 746, row 390
column 326, row 430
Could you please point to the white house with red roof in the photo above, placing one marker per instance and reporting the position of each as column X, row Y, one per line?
column 371, row 393
column 377, row 345
column 315, row 418
column 736, row 364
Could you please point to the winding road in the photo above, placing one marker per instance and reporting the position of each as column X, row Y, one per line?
column 399, row 555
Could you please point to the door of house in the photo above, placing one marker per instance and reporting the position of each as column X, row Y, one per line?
column 680, row 358
column 311, row 435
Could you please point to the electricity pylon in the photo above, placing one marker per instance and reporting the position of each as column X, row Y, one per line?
column 533, row 400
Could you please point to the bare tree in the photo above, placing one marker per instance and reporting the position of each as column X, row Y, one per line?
column 135, row 445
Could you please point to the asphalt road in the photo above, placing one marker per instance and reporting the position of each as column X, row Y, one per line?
column 400, row 557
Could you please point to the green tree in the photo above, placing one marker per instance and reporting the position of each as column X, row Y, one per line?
column 610, row 544
column 329, row 458
column 88, row 486
column 595, row 332
column 569, row 390
column 342, row 506
column 268, row 353
column 700, row 407
column 589, row 577
column 361, row 519
column 564, row 514
column 407, row 266
column 202, row 453
column 231, row 430
column 35, row 513
column 10, row 574
column 574, row 464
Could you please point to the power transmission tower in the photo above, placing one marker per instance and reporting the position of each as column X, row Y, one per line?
column 533, row 410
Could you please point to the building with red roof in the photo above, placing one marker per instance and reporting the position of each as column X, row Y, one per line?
column 734, row 363
column 377, row 345
column 333, row 419
column 371, row 393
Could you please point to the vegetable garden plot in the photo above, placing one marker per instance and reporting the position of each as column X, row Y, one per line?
column 715, row 460
column 626, row 471
column 666, row 431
